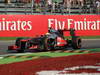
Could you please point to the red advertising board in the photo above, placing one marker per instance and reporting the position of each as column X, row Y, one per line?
column 32, row 25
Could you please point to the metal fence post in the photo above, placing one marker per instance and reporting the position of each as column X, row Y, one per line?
column 32, row 4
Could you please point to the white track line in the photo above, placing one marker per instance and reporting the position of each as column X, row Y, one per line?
column 1, row 57
column 16, row 54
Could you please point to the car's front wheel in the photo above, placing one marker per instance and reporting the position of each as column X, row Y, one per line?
column 49, row 44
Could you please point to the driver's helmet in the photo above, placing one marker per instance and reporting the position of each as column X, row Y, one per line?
column 47, row 34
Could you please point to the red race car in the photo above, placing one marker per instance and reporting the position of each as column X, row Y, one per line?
column 52, row 40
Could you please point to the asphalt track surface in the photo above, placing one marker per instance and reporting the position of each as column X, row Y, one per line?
column 86, row 44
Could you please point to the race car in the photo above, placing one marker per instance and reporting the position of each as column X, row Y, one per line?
column 52, row 40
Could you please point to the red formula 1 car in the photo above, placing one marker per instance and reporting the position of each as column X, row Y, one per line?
column 54, row 39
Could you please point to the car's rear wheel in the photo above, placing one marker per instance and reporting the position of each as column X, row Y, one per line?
column 76, row 43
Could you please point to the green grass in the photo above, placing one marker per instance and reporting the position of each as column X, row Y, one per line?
column 42, row 54
column 83, row 37
column 90, row 37
column 8, row 38
column 95, row 50
column 51, row 54
column 86, row 37
column 45, row 54
column 10, row 60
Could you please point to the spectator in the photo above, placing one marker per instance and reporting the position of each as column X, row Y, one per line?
column 50, row 5
column 98, row 6
column 37, row 1
column 25, row 1
column 49, row 2
column 43, row 3
column 37, row 5
column 8, row 1
column 43, row 6
column 81, row 2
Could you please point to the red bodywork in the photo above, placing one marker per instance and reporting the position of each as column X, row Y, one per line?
column 45, row 42
column 14, row 47
column 61, row 42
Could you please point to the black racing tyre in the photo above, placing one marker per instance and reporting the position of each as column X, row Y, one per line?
column 17, row 43
column 76, row 43
column 48, row 44
column 41, row 48
column 23, row 46
column 20, row 50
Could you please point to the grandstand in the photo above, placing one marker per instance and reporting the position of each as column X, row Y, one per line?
column 49, row 7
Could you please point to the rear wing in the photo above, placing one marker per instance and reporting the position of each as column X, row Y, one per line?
column 72, row 31
column 61, row 32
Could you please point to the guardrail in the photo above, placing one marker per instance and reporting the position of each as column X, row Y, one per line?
column 29, row 8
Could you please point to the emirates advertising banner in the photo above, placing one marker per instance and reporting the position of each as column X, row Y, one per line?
column 32, row 25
